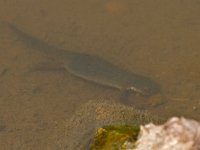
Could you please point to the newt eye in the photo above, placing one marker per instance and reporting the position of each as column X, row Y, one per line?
column 135, row 90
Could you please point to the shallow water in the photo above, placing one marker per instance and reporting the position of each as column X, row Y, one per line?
column 156, row 39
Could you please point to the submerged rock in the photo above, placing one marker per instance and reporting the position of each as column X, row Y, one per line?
column 81, row 127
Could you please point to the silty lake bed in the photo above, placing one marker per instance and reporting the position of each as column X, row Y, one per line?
column 39, row 98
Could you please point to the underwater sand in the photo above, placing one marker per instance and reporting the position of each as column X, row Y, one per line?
column 157, row 39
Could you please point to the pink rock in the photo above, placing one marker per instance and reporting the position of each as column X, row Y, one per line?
column 175, row 134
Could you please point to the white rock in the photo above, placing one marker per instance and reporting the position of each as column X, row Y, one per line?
column 175, row 134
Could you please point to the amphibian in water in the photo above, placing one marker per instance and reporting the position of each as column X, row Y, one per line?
column 92, row 68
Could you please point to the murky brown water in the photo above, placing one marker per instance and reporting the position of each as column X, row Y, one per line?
column 157, row 39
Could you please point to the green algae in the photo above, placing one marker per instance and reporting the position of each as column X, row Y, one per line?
column 115, row 137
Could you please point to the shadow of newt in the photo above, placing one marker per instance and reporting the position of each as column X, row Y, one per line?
column 92, row 68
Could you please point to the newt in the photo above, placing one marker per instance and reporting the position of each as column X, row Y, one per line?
column 91, row 67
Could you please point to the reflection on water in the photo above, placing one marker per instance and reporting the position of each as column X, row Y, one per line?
column 154, row 39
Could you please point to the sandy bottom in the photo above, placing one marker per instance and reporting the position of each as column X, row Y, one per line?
column 52, row 109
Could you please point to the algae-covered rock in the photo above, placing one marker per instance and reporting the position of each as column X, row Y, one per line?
column 115, row 137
